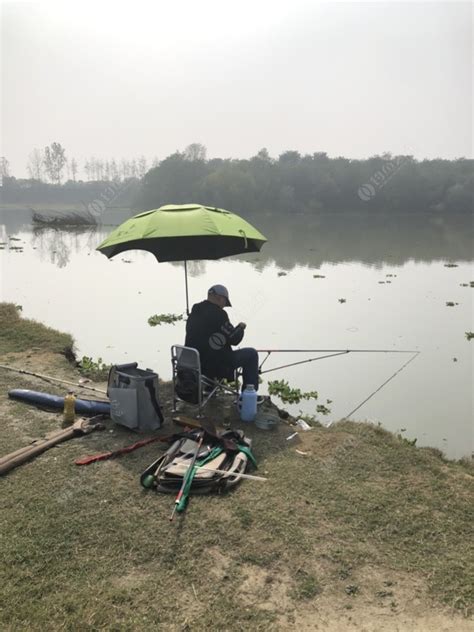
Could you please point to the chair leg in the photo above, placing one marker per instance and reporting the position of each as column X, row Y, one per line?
column 200, row 415
column 175, row 400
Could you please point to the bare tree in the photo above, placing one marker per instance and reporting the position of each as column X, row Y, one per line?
column 142, row 166
column 195, row 151
column 93, row 164
column 125, row 168
column 35, row 165
column 114, row 171
column 99, row 169
column 88, row 170
column 54, row 161
column 74, row 169
column 155, row 162
column 4, row 169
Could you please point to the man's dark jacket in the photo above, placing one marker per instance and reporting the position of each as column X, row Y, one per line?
column 209, row 330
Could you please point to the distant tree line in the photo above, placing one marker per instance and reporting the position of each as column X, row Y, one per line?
column 291, row 183
column 294, row 183
column 30, row 192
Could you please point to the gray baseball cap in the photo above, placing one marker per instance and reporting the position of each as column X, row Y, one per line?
column 221, row 290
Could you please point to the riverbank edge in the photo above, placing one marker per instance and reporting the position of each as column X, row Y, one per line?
column 21, row 339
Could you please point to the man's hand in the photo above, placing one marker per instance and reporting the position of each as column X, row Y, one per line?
column 242, row 325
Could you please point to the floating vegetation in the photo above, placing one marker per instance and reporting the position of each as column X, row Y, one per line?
column 382, row 281
column 160, row 319
column 85, row 218
column 451, row 304
column 455, row 359
column 127, row 260
column 324, row 410
column 287, row 394
column 16, row 248
column 94, row 369
column 282, row 274
column 470, row 284
column 14, row 239
column 318, row 276
column 450, row 265
column 341, row 300
column 469, row 335
column 390, row 275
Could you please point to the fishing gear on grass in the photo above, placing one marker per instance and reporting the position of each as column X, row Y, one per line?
column 229, row 453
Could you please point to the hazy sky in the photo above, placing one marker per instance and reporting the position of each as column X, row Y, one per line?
column 121, row 79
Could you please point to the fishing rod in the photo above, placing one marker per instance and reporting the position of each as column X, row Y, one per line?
column 416, row 353
column 49, row 378
column 331, row 353
column 335, row 352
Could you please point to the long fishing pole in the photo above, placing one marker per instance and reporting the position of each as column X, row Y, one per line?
column 284, row 366
column 336, row 350
column 416, row 353
column 331, row 353
column 49, row 378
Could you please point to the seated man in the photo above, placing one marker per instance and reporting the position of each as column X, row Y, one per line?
column 209, row 330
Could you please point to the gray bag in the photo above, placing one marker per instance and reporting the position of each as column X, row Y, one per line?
column 133, row 395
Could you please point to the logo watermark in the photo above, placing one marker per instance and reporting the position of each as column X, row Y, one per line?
column 111, row 192
column 380, row 178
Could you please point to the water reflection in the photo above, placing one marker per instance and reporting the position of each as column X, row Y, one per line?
column 372, row 240
column 56, row 246
column 296, row 240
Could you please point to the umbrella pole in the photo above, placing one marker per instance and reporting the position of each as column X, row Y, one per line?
column 186, row 284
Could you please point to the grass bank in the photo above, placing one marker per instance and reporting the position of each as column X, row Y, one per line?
column 355, row 528
column 18, row 334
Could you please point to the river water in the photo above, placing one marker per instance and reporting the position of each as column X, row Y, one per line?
column 391, row 271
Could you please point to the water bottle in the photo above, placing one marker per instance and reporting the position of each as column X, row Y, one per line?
column 248, row 403
column 69, row 408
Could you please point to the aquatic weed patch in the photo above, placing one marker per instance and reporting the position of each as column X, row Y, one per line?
column 164, row 319
column 93, row 369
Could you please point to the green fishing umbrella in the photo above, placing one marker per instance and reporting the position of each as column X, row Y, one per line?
column 183, row 233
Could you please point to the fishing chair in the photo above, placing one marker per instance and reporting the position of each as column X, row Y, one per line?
column 190, row 384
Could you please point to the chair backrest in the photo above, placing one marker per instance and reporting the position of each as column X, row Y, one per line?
column 186, row 357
